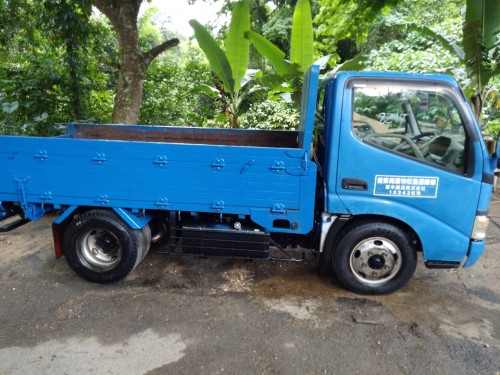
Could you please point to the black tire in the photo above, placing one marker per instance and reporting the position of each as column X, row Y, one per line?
column 145, row 238
column 101, row 248
column 374, row 258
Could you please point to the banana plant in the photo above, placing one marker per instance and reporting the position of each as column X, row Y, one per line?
column 229, row 65
column 481, row 46
column 289, row 73
column 479, row 52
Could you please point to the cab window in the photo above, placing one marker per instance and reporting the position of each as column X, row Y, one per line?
column 419, row 122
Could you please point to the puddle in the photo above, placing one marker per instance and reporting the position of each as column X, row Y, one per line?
column 299, row 309
column 298, row 284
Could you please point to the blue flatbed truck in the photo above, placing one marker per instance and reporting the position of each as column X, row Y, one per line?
column 383, row 165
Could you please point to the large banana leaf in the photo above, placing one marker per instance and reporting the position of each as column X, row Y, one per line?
column 216, row 57
column 480, row 29
column 267, row 49
column 302, row 51
column 476, row 55
column 487, row 12
column 237, row 47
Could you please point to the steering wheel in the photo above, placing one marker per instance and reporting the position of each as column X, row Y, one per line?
column 417, row 138
column 362, row 128
column 424, row 144
column 406, row 142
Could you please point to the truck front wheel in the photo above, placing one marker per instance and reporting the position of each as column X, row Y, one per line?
column 374, row 258
column 101, row 248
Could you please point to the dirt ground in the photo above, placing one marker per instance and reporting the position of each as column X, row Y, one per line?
column 187, row 315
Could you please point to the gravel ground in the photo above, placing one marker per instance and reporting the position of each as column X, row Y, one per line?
column 187, row 315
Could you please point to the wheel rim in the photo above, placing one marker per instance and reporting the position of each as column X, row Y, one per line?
column 375, row 260
column 99, row 250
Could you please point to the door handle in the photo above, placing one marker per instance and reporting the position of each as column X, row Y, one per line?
column 354, row 184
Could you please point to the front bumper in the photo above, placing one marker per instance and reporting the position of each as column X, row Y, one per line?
column 476, row 249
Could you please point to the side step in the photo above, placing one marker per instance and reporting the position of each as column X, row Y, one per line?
column 11, row 223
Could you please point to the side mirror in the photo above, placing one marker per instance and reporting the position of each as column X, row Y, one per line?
column 492, row 147
column 492, row 144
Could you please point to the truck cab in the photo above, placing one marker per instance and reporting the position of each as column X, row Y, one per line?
column 404, row 170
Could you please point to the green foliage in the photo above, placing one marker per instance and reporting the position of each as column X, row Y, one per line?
column 288, row 78
column 480, row 41
column 7, row 108
column 277, row 29
column 302, row 52
column 417, row 35
column 35, row 73
column 66, row 23
column 9, row 114
column 172, row 95
column 479, row 52
column 426, row 35
column 237, row 47
column 37, row 86
column 492, row 107
column 275, row 56
column 52, row 56
column 215, row 55
column 149, row 34
column 48, row 73
column 230, row 65
column 341, row 19
column 484, row 16
column 276, row 115
column 395, row 56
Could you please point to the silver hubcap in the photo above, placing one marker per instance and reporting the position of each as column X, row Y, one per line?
column 100, row 250
column 375, row 260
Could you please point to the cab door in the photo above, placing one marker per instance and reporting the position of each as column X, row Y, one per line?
column 408, row 151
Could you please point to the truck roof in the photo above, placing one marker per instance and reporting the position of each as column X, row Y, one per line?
column 431, row 76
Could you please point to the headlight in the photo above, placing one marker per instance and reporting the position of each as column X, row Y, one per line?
column 480, row 224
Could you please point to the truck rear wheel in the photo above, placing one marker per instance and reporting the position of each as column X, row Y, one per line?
column 101, row 248
column 144, row 235
column 374, row 258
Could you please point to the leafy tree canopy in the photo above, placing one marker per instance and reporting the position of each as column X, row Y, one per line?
column 342, row 19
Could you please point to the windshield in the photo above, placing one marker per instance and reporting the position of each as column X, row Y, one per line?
column 420, row 122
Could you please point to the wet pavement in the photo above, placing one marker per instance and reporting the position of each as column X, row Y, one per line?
column 210, row 316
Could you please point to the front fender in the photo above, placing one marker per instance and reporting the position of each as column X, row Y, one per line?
column 440, row 241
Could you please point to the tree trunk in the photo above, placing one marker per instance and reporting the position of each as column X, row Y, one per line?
column 74, row 82
column 128, row 95
column 133, row 62
column 477, row 106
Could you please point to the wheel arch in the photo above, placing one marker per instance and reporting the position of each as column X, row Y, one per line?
column 357, row 219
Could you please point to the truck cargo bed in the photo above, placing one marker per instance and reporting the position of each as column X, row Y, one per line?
column 265, row 176
column 165, row 134
column 128, row 167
